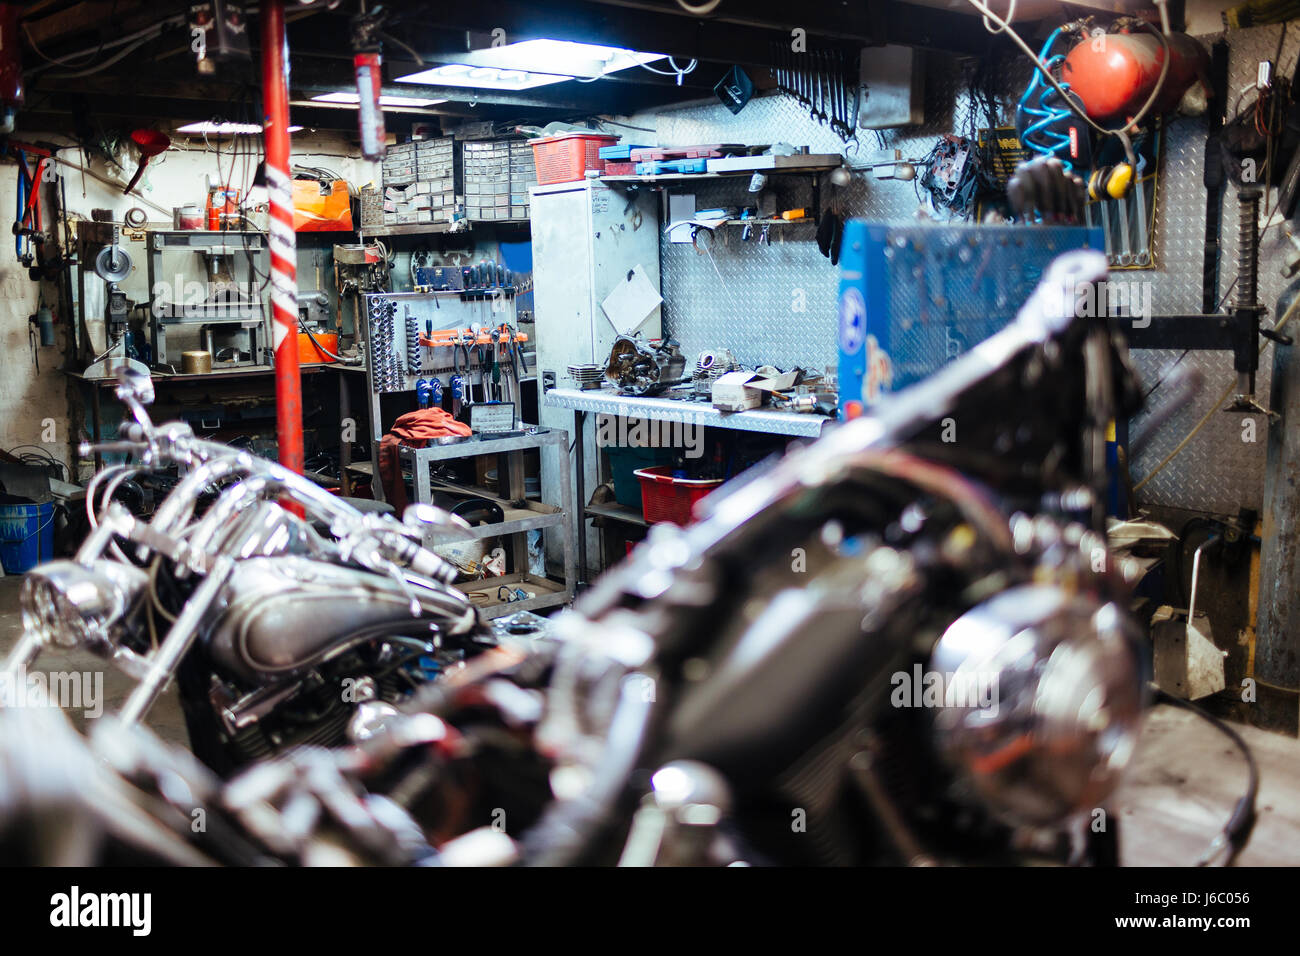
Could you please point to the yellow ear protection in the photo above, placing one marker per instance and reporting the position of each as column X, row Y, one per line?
column 1110, row 182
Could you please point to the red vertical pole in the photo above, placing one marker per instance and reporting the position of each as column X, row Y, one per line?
column 283, row 242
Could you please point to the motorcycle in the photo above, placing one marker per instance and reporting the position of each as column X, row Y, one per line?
column 286, row 616
column 882, row 648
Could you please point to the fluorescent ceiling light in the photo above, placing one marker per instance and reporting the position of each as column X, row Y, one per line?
column 352, row 99
column 530, row 63
column 227, row 129
column 481, row 78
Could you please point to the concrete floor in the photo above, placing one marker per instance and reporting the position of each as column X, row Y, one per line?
column 1178, row 793
column 165, row 718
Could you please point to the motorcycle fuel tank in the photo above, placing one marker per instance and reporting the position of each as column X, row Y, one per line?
column 286, row 615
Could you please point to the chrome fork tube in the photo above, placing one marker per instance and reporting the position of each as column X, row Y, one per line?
column 164, row 661
column 23, row 655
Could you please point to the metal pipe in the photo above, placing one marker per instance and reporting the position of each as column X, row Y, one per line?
column 282, row 241
column 1196, row 574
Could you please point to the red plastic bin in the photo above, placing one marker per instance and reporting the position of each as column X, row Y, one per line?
column 665, row 498
column 566, row 158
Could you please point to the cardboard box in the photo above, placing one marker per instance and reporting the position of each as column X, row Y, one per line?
column 737, row 391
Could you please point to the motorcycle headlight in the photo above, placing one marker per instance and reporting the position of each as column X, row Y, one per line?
column 67, row 604
column 1043, row 700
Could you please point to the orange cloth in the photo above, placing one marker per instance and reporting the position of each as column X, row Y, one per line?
column 413, row 429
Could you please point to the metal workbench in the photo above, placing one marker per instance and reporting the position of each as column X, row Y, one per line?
column 521, row 515
column 606, row 401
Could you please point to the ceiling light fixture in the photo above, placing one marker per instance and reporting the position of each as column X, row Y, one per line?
column 342, row 97
column 529, row 64
column 226, row 129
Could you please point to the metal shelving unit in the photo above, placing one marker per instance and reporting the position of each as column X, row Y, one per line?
column 520, row 514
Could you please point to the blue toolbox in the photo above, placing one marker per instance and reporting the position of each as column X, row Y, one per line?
column 619, row 152
column 912, row 298
column 659, row 167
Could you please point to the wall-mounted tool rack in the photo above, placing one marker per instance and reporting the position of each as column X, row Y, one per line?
column 464, row 341
column 416, row 338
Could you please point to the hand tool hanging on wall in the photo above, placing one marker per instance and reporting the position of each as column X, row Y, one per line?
column 412, row 329
column 826, row 82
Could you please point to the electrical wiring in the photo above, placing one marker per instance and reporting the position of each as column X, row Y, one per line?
column 1236, row 831
column 419, row 60
column 700, row 10
column 81, row 57
column 677, row 71
column 1214, row 410
column 334, row 355
column 38, row 456
column 1165, row 374
column 1011, row 16
column 108, row 182
column 112, row 60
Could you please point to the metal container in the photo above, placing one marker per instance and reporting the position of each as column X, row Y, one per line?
column 188, row 217
column 197, row 362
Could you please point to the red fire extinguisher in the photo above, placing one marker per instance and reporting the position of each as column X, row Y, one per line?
column 11, row 66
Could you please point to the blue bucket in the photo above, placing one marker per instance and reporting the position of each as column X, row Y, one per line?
column 26, row 536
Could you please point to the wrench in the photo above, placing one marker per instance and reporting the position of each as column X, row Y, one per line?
column 1125, row 227
column 816, row 74
column 841, row 95
column 1105, row 229
column 1143, row 247
column 820, row 67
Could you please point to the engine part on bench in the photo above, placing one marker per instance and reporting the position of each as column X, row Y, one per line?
column 641, row 368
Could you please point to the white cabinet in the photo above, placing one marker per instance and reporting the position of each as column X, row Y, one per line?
column 587, row 237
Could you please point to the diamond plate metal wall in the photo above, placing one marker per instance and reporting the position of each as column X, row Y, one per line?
column 1217, row 471
column 777, row 303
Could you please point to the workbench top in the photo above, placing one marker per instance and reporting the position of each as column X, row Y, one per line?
column 608, row 402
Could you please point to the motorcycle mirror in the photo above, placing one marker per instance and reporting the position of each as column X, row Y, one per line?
column 135, row 391
column 421, row 516
column 132, row 384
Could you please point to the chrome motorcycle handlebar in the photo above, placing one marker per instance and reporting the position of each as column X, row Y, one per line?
column 391, row 541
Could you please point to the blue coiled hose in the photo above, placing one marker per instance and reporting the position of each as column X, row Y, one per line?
column 1038, row 136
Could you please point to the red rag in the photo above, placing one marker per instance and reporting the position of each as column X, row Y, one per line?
column 415, row 430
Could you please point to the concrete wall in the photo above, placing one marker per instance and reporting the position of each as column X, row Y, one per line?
column 30, row 399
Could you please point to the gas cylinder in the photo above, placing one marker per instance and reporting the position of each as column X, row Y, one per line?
column 1114, row 73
